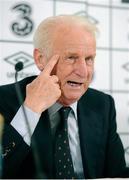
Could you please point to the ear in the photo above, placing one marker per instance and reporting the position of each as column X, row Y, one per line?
column 39, row 59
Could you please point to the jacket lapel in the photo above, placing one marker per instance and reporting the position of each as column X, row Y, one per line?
column 90, row 131
column 43, row 140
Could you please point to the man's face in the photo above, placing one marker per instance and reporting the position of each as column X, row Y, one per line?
column 76, row 64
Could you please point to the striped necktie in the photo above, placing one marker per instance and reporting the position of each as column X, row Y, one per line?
column 63, row 160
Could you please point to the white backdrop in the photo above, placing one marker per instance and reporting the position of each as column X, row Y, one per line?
column 18, row 20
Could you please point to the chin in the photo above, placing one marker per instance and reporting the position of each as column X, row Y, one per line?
column 68, row 100
column 75, row 96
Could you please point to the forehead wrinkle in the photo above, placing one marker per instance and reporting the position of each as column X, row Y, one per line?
column 76, row 42
column 76, row 50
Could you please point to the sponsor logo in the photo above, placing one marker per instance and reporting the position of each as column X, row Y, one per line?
column 20, row 56
column 23, row 57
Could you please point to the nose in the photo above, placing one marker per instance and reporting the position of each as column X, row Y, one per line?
column 80, row 68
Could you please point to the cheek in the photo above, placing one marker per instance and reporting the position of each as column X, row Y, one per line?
column 90, row 73
column 89, row 78
column 60, row 72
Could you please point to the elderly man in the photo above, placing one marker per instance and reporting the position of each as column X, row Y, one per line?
column 80, row 144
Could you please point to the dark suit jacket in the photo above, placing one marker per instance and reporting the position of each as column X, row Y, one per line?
column 101, row 147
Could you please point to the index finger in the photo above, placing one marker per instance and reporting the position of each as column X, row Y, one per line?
column 51, row 64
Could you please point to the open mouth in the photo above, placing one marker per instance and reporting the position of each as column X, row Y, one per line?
column 74, row 83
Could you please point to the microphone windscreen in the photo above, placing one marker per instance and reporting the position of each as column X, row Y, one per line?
column 19, row 66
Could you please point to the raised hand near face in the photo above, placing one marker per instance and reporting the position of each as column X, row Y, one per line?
column 44, row 91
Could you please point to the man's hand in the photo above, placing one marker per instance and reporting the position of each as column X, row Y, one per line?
column 44, row 91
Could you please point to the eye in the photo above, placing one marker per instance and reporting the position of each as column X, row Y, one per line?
column 72, row 57
column 89, row 61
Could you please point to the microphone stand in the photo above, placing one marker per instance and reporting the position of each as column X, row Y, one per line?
column 39, row 173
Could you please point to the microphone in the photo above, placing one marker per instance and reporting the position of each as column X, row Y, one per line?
column 39, row 174
column 1, row 132
column 19, row 66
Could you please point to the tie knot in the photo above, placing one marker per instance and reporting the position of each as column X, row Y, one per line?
column 65, row 112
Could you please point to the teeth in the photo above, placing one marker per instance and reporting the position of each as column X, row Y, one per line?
column 74, row 83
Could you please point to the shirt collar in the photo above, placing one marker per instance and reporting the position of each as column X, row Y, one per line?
column 74, row 108
column 54, row 108
column 57, row 106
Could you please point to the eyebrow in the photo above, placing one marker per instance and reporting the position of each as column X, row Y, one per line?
column 76, row 54
column 92, row 56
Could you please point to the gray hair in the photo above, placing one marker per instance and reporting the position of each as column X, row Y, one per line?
column 49, row 28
